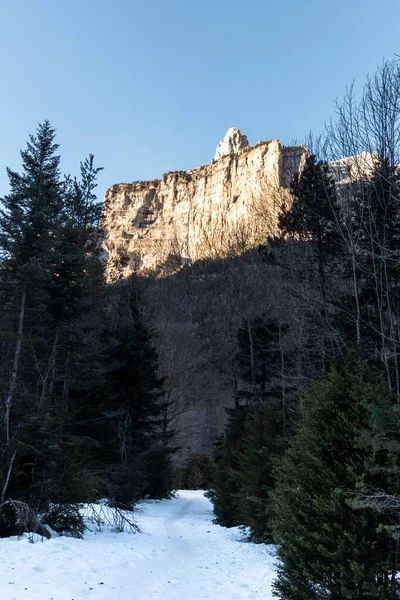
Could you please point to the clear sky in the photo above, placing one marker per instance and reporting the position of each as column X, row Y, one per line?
column 151, row 86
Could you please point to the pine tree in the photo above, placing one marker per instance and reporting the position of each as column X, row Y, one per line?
column 256, row 429
column 311, row 234
column 225, row 486
column 313, row 215
column 375, row 213
column 29, row 219
column 327, row 548
column 50, row 255
column 29, row 224
column 139, row 449
column 260, row 451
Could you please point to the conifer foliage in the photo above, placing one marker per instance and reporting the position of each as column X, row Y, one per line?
column 139, row 436
column 331, row 500
column 244, row 473
column 225, row 485
column 61, row 371
column 328, row 547
column 313, row 212
column 256, row 430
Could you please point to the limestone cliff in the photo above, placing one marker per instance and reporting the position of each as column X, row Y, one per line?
column 232, row 142
column 216, row 210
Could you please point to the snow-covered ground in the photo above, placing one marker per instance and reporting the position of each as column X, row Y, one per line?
column 179, row 555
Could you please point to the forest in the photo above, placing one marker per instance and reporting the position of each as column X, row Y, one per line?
column 310, row 458
column 82, row 411
column 103, row 386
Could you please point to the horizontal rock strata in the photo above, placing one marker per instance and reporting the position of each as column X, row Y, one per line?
column 216, row 210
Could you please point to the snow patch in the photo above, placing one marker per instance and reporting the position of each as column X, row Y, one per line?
column 179, row 553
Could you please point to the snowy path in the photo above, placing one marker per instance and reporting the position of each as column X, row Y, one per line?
column 180, row 555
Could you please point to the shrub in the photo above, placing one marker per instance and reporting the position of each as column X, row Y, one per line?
column 17, row 517
column 65, row 519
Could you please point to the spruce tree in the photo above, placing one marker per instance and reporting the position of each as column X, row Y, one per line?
column 310, row 234
column 225, row 486
column 375, row 216
column 50, row 255
column 258, row 455
column 327, row 547
column 256, row 429
column 29, row 225
column 139, row 448
column 313, row 215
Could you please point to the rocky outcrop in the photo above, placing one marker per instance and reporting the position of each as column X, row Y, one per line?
column 216, row 210
column 232, row 142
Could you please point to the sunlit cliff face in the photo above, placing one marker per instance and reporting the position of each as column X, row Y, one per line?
column 232, row 142
column 220, row 209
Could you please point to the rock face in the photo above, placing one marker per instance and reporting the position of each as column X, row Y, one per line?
column 232, row 142
column 216, row 210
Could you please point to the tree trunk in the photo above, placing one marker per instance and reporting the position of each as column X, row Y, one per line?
column 7, row 481
column 13, row 382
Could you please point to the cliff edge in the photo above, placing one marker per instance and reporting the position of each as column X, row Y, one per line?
column 216, row 210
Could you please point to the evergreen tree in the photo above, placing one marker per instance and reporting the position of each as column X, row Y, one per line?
column 225, row 486
column 311, row 235
column 313, row 214
column 381, row 441
column 256, row 429
column 262, row 359
column 244, row 472
column 327, row 548
column 139, row 447
column 77, row 280
column 259, row 453
column 259, row 359
column 30, row 217
column 47, row 234
column 29, row 224
column 375, row 214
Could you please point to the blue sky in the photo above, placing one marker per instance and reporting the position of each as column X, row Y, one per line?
column 152, row 86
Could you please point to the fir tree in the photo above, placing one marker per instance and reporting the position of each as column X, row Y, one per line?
column 256, row 430
column 29, row 220
column 260, row 451
column 313, row 215
column 311, row 231
column 140, row 446
column 327, row 548
column 375, row 216
column 225, row 487
column 29, row 224
column 47, row 229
